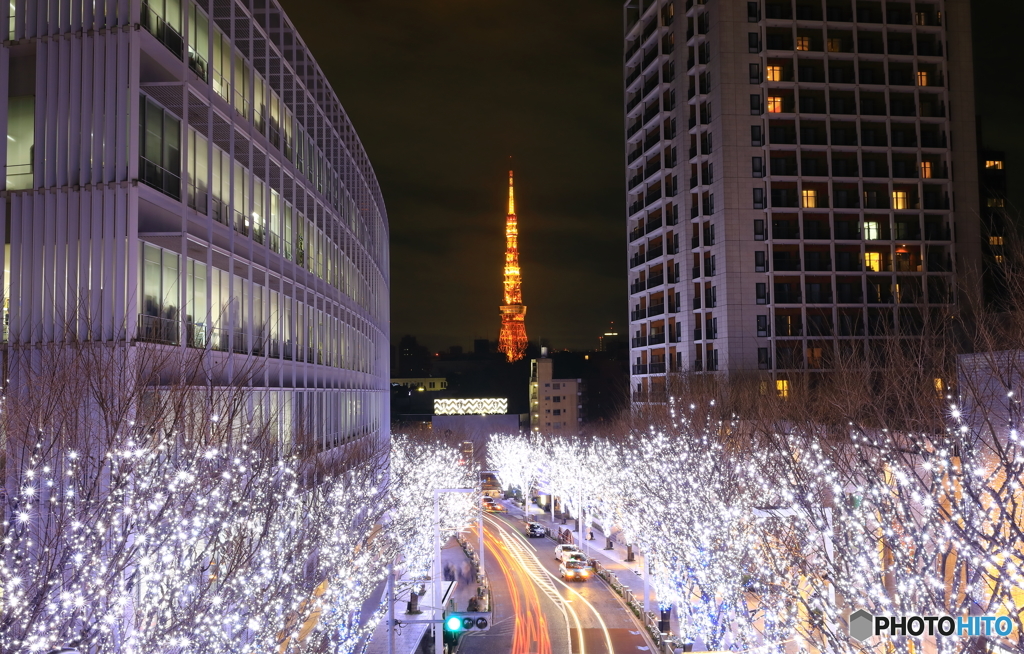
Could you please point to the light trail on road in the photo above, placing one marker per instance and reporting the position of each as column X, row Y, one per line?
column 513, row 542
column 531, row 627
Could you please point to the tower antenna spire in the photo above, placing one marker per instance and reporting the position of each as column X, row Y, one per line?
column 512, row 339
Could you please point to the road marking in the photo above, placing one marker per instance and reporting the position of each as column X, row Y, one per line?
column 516, row 541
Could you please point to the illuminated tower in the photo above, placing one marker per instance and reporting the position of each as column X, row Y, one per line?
column 512, row 340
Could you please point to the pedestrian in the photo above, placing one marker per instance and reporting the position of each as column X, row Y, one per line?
column 466, row 573
column 591, row 536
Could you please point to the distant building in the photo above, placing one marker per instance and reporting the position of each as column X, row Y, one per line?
column 431, row 384
column 994, row 221
column 413, row 358
column 555, row 404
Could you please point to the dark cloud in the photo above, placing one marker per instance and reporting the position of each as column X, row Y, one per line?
column 441, row 93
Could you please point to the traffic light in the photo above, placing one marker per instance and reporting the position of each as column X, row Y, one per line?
column 457, row 623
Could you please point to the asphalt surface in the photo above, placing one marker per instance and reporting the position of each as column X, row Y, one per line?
column 535, row 612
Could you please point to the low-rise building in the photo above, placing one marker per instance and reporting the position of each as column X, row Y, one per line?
column 555, row 404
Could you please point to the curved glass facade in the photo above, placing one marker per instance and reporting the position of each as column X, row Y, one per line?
column 197, row 184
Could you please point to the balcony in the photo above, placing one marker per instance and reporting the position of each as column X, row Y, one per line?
column 656, row 339
column 656, row 310
column 653, row 225
column 636, row 207
column 163, row 32
column 639, row 341
column 637, row 287
column 638, row 314
column 636, row 260
column 651, row 112
column 160, row 178
column 634, row 181
column 654, row 253
column 635, row 154
column 154, row 329
column 640, row 369
column 695, row 272
column 635, row 233
column 655, row 281
column 657, row 368
column 649, row 57
column 652, row 139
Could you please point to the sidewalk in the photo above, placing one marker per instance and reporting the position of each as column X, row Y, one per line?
column 409, row 635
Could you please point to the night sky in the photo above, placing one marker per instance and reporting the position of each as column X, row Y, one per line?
column 442, row 92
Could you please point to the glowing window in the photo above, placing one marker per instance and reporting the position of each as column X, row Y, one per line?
column 774, row 104
column 872, row 231
column 994, row 164
column 900, row 200
column 873, row 261
column 995, row 203
column 999, row 259
column 926, row 170
column 803, row 43
column 774, row 74
column 782, row 388
column 809, row 198
column 835, row 45
column 995, row 240
column 939, row 387
column 922, row 78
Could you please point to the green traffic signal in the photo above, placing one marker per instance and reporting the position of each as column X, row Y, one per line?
column 454, row 623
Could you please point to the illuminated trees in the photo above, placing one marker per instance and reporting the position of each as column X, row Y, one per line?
column 517, row 460
column 144, row 519
column 417, row 468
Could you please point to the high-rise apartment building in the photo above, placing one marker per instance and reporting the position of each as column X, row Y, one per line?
column 801, row 178
column 182, row 175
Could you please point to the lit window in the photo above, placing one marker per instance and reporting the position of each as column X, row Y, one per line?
column 774, row 104
column 922, row 78
column 803, row 43
column 999, row 259
column 871, row 230
column 899, row 200
column 782, row 388
column 995, row 240
column 995, row 165
column 835, row 45
column 939, row 387
column 810, row 198
column 995, row 203
column 774, row 75
column 926, row 170
column 873, row 261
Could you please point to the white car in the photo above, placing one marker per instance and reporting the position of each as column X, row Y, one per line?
column 575, row 568
column 562, row 550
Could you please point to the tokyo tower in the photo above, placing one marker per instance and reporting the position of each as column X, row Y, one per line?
column 512, row 340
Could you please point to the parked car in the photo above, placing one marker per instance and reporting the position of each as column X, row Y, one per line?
column 562, row 550
column 575, row 569
column 535, row 530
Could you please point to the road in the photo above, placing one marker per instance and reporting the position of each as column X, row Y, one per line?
column 535, row 612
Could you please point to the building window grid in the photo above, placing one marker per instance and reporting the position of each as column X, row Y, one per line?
column 900, row 199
